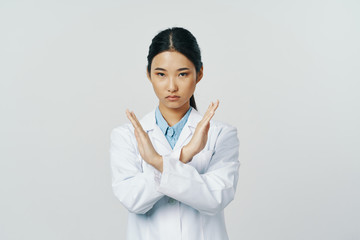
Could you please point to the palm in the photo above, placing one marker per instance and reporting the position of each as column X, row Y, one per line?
column 199, row 139
column 146, row 149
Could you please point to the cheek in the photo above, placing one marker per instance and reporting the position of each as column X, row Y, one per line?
column 190, row 85
column 156, row 85
column 159, row 89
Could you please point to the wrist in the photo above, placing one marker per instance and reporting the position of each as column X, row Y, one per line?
column 186, row 154
column 158, row 162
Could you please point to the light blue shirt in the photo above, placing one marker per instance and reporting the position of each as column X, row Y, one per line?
column 171, row 133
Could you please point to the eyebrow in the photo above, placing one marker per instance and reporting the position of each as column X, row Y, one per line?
column 180, row 69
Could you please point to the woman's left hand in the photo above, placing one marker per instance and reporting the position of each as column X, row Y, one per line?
column 146, row 149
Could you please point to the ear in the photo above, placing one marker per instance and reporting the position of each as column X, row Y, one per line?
column 200, row 74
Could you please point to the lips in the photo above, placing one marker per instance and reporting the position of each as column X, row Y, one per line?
column 172, row 97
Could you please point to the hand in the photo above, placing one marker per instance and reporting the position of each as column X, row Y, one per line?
column 146, row 149
column 199, row 139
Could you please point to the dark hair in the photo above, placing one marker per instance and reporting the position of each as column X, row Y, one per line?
column 176, row 39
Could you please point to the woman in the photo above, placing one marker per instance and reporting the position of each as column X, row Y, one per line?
column 175, row 170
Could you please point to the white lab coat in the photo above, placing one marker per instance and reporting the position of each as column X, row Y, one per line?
column 185, row 201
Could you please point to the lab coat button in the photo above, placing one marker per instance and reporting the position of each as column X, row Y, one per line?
column 171, row 201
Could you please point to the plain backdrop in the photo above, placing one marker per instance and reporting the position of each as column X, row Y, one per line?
column 286, row 74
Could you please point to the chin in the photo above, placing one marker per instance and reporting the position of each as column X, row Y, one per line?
column 174, row 105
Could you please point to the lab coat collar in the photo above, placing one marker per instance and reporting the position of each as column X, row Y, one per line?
column 148, row 122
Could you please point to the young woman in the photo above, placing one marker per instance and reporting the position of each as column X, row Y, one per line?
column 175, row 170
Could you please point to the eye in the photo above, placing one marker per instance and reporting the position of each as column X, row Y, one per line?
column 183, row 74
column 160, row 74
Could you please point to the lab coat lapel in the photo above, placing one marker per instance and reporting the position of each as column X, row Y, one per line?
column 160, row 139
column 148, row 122
column 188, row 129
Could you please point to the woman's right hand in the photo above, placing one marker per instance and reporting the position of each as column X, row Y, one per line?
column 199, row 139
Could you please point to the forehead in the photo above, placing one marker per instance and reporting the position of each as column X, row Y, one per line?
column 171, row 60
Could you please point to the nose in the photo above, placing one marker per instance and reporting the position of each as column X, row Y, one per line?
column 172, row 86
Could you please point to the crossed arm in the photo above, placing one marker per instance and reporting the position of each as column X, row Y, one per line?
column 196, row 144
column 139, row 190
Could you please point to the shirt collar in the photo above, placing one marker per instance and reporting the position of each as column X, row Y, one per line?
column 164, row 126
column 148, row 122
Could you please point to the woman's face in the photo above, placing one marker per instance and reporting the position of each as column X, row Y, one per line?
column 174, row 78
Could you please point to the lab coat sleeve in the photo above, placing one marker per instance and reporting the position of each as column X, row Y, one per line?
column 211, row 191
column 136, row 190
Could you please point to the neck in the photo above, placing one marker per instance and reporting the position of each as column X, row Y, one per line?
column 173, row 115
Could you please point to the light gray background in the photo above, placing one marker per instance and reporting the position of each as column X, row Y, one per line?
column 286, row 73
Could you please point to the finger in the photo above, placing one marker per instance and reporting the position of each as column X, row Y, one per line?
column 216, row 105
column 207, row 113
column 213, row 107
column 136, row 120
column 137, row 136
column 137, row 127
column 130, row 117
column 212, row 111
